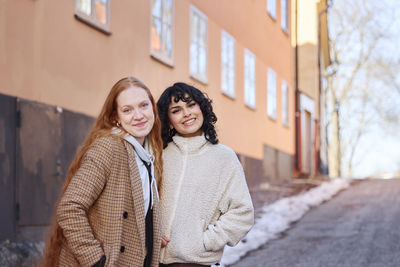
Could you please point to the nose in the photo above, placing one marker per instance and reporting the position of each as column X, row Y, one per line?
column 137, row 115
column 186, row 112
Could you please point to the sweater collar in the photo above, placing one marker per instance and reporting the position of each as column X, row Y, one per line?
column 189, row 144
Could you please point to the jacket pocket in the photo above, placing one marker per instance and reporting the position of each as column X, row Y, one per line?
column 107, row 253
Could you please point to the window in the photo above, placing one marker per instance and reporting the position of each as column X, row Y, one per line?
column 162, row 30
column 284, row 16
column 228, row 64
column 249, row 79
column 95, row 13
column 198, row 45
column 271, row 7
column 271, row 101
column 285, row 103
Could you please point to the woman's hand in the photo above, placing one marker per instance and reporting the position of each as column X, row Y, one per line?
column 164, row 241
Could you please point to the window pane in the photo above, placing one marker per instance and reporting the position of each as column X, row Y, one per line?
column 203, row 32
column 232, row 67
column 194, row 27
column 202, row 62
column 284, row 21
column 164, row 33
column 167, row 12
column 156, row 8
column 271, row 5
column 162, row 29
column 193, row 58
column 156, row 34
column 249, row 79
column 224, row 62
column 101, row 10
column 198, row 44
column 271, row 94
column 285, row 103
column 168, row 42
column 224, row 81
column 84, row 6
column 227, row 64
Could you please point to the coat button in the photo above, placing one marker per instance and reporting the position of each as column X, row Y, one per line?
column 122, row 249
column 125, row 214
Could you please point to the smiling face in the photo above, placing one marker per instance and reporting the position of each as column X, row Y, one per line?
column 186, row 117
column 135, row 112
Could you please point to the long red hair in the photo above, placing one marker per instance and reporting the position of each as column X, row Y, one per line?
column 102, row 127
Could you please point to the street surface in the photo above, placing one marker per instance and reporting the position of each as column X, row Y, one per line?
column 358, row 227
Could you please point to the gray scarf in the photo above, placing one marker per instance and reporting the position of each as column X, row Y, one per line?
column 145, row 154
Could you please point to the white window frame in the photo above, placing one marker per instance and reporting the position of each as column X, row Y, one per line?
column 196, row 48
column 284, row 15
column 271, row 8
column 91, row 20
column 249, row 79
column 160, row 54
column 285, row 103
column 227, row 64
column 271, row 95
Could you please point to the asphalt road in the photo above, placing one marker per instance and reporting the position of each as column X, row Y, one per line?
column 358, row 227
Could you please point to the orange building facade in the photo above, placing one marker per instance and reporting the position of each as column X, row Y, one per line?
column 58, row 59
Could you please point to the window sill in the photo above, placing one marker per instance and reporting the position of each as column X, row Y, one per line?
column 230, row 96
column 272, row 118
column 250, row 107
column 199, row 79
column 271, row 16
column 162, row 59
column 101, row 29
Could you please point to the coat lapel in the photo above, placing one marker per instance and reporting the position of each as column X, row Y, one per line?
column 137, row 194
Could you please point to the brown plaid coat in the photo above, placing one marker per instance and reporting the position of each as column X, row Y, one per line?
column 102, row 210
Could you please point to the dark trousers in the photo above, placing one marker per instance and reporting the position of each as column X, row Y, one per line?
column 149, row 238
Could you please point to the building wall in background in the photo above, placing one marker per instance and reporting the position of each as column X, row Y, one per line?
column 47, row 55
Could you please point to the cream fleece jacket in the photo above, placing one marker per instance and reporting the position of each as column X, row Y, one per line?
column 205, row 202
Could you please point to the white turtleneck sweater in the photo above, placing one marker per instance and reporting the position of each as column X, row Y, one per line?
column 205, row 202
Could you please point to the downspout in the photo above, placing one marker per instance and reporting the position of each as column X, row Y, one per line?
column 297, row 96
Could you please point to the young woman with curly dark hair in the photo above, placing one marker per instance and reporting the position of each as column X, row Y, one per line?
column 205, row 202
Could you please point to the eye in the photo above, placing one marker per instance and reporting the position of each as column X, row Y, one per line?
column 145, row 104
column 175, row 111
column 192, row 104
column 126, row 110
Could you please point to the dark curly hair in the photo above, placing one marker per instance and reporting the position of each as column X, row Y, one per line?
column 186, row 93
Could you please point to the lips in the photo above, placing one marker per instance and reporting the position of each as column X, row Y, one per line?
column 189, row 122
column 140, row 124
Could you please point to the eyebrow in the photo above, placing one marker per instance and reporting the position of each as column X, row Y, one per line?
column 187, row 103
column 174, row 107
column 127, row 105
